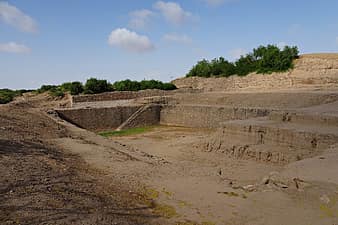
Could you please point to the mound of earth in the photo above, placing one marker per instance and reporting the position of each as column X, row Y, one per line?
column 310, row 71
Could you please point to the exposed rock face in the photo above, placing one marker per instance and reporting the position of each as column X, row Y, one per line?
column 310, row 71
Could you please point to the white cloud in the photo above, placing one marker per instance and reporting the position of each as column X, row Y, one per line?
column 12, row 47
column 140, row 18
column 11, row 15
column 129, row 40
column 237, row 53
column 184, row 39
column 173, row 12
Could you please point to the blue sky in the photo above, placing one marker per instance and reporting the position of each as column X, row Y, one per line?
column 50, row 42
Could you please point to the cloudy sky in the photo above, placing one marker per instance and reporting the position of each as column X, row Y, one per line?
column 50, row 42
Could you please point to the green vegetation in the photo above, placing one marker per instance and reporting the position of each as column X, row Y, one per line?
column 7, row 95
column 92, row 86
column 264, row 59
column 74, row 88
column 96, row 86
column 53, row 90
column 131, row 131
column 128, row 85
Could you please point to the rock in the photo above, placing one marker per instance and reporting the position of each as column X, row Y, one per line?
column 280, row 184
column 249, row 188
column 219, row 172
column 325, row 199
column 297, row 182
column 265, row 180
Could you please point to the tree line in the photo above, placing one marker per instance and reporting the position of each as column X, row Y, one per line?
column 91, row 86
column 264, row 59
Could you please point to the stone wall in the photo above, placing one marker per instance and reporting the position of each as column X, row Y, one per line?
column 206, row 116
column 124, row 95
column 98, row 119
column 279, row 100
column 147, row 115
column 119, row 95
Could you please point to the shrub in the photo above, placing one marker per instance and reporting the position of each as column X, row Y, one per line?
column 45, row 88
column 95, row 86
column 57, row 92
column 74, row 88
column 168, row 86
column 201, row 69
column 272, row 59
column 222, row 67
column 128, row 85
column 245, row 65
column 7, row 95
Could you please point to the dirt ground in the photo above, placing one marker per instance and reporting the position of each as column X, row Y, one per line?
column 215, row 189
column 55, row 173
column 43, row 184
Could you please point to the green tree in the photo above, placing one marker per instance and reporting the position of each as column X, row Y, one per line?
column 95, row 86
column 76, row 88
column 201, row 69
column 245, row 65
column 264, row 59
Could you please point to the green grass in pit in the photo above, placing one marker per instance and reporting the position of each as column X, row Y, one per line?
column 131, row 131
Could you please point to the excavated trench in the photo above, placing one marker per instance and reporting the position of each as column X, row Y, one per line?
column 223, row 144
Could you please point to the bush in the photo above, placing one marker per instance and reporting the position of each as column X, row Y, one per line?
column 201, row 69
column 95, row 86
column 245, row 65
column 45, row 88
column 7, row 95
column 263, row 60
column 74, row 88
column 272, row 59
column 128, row 85
column 57, row 92
column 222, row 67
column 168, row 86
